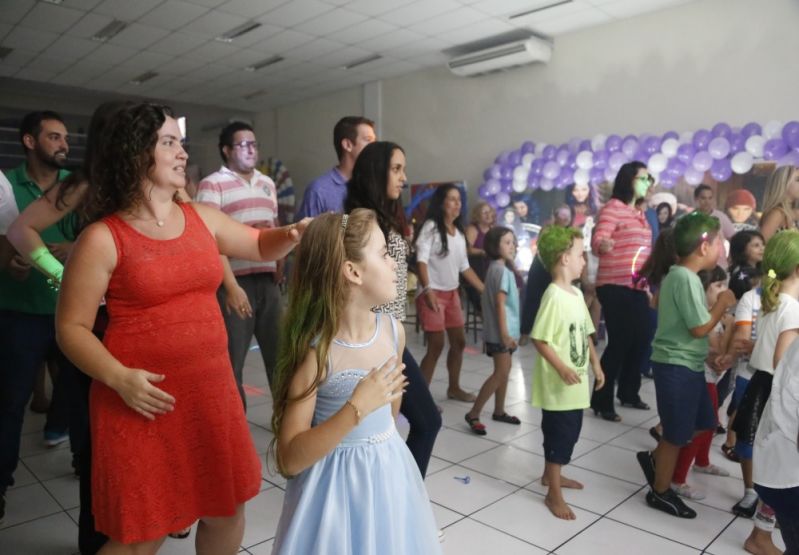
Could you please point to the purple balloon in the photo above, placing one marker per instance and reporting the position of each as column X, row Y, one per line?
column 503, row 199
column 616, row 161
column 676, row 168
column 671, row 135
column 487, row 174
column 652, row 145
column 774, row 149
column 528, row 147
column 601, row 159
column 551, row 170
column 506, row 172
column 610, row 174
column 721, row 130
column 701, row 139
column 693, row 176
column 750, row 129
column 533, row 181
column 685, row 153
column 586, row 145
column 483, row 192
column 596, row 175
column 613, row 143
column 630, row 146
column 502, row 159
column 737, row 143
column 702, row 161
column 537, row 167
column 507, row 187
column 667, row 181
column 515, row 158
column 546, row 184
column 549, row 152
column 493, row 186
column 562, row 157
column 571, row 163
column 719, row 147
column 790, row 134
column 721, row 170
column 790, row 159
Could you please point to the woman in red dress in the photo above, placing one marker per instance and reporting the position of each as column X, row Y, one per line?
column 172, row 444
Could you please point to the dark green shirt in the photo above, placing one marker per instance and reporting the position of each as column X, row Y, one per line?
column 33, row 295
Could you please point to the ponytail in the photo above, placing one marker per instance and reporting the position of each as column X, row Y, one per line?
column 780, row 261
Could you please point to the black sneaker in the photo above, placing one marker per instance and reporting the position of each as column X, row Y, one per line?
column 669, row 502
column 647, row 464
column 745, row 511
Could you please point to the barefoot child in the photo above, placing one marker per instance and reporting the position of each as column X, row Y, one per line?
column 560, row 378
column 678, row 356
column 500, row 302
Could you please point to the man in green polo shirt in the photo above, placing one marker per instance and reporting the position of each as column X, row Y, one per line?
column 27, row 303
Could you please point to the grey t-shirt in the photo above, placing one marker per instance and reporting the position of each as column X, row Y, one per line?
column 499, row 278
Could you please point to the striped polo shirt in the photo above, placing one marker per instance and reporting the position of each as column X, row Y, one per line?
column 252, row 203
column 632, row 240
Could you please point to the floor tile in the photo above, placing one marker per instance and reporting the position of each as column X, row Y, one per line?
column 508, row 463
column 28, row 503
column 53, row 535
column 51, row 464
column 65, row 489
column 445, row 489
column 468, row 537
column 455, row 446
column 262, row 514
column 612, row 461
column 731, row 541
column 605, row 537
column 534, row 442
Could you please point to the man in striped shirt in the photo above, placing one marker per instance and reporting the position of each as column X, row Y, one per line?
column 250, row 293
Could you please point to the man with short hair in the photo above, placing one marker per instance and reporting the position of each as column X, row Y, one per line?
column 327, row 192
column 27, row 302
column 705, row 201
column 250, row 293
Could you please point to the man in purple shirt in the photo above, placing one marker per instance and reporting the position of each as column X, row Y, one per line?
column 327, row 192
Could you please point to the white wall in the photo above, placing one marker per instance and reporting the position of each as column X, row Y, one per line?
column 682, row 68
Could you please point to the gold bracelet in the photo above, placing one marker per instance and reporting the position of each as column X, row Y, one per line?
column 357, row 411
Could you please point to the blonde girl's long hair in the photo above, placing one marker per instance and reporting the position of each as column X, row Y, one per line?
column 780, row 260
column 317, row 296
column 775, row 196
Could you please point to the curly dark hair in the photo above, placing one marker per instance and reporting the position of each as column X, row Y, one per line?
column 435, row 212
column 125, row 156
column 367, row 187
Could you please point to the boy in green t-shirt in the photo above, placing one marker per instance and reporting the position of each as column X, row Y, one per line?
column 560, row 377
column 678, row 356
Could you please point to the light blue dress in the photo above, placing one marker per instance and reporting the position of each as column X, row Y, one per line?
column 366, row 497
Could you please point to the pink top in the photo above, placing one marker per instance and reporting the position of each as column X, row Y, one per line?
column 632, row 240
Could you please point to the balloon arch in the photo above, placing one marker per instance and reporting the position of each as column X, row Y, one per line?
column 722, row 150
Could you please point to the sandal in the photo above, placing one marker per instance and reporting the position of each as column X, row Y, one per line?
column 506, row 418
column 653, row 431
column 181, row 534
column 475, row 425
column 730, row 453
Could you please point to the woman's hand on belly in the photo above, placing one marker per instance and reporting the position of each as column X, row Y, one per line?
column 136, row 388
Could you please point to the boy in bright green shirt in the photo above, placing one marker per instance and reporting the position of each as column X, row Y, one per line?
column 561, row 334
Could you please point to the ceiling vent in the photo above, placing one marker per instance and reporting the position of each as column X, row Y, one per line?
column 502, row 57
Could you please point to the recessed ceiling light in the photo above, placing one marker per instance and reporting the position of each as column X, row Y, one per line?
column 109, row 31
column 540, row 9
column 263, row 63
column 143, row 77
column 362, row 61
column 238, row 31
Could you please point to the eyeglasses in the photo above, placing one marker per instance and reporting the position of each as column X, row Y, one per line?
column 244, row 145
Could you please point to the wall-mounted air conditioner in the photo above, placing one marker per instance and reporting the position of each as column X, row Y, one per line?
column 502, row 57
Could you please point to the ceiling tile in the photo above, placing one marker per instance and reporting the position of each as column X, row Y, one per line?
column 84, row 5
column 89, row 25
column 13, row 12
column 556, row 12
column 314, row 49
column 343, row 56
column 19, row 57
column 390, row 40
column 330, row 22
column 477, row 31
column 393, row 69
column 32, row 74
column 282, row 42
column 49, row 17
column 7, row 70
column 145, row 61
column 125, row 9
column 250, row 8
column 29, row 39
column 510, row 7
column 572, row 22
column 296, row 11
column 243, row 58
column 139, row 36
column 213, row 24
column 70, row 79
column 430, row 59
column 256, row 35
column 179, row 66
column 212, row 51
column 420, row 10
column 367, row 29
column 208, row 3
column 372, row 7
column 178, row 43
column 626, row 8
column 173, row 15
column 448, row 21
column 417, row 48
column 210, row 72
column 109, row 54
column 71, row 48
column 49, row 64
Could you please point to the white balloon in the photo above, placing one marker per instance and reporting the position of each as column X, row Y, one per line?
column 520, row 173
column 657, row 163
column 742, row 162
column 527, row 160
column 686, row 137
column 585, row 160
column 581, row 176
column 598, row 142
column 546, row 184
column 754, row 145
column 519, row 185
column 669, row 147
column 539, row 148
column 772, row 129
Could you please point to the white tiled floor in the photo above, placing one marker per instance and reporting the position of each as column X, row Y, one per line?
column 500, row 510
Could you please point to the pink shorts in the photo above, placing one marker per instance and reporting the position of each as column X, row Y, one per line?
column 449, row 315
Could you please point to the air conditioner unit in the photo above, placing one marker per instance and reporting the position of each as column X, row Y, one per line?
column 501, row 57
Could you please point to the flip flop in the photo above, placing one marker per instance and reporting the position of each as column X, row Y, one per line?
column 475, row 425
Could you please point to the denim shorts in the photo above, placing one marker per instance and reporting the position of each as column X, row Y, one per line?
column 684, row 404
column 561, row 430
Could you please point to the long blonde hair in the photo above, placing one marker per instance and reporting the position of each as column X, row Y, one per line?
column 775, row 195
column 317, row 297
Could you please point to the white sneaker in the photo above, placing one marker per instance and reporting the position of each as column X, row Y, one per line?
column 711, row 469
column 684, row 490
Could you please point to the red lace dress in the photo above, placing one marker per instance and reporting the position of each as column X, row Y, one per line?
column 150, row 478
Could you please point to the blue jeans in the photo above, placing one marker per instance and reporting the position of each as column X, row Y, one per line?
column 785, row 503
column 26, row 340
column 420, row 410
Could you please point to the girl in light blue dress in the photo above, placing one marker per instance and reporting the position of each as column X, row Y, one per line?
column 353, row 488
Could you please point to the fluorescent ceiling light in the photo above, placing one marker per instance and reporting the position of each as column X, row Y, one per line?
column 362, row 61
column 143, row 77
column 263, row 63
column 110, row 30
column 238, row 31
column 540, row 9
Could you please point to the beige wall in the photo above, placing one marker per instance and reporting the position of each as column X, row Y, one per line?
column 682, row 68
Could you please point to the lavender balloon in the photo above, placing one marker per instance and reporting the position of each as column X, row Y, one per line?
column 551, row 170
column 719, row 148
column 685, row 153
column 652, row 145
column 774, row 149
column 693, row 176
column 503, row 199
column 585, row 145
column 751, row 129
column 790, row 159
column 721, row 170
column 630, row 146
column 790, row 134
column 533, row 181
column 702, row 161
column 483, row 192
column 601, row 159
column 667, row 181
column 515, row 158
column 670, row 135
column 562, row 157
column 701, row 139
column 528, row 147
column 613, row 143
column 537, row 168
column 493, row 186
column 737, row 143
column 549, row 152
column 721, row 130
column 506, row 172
column 546, row 184
column 596, row 176
column 616, row 161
